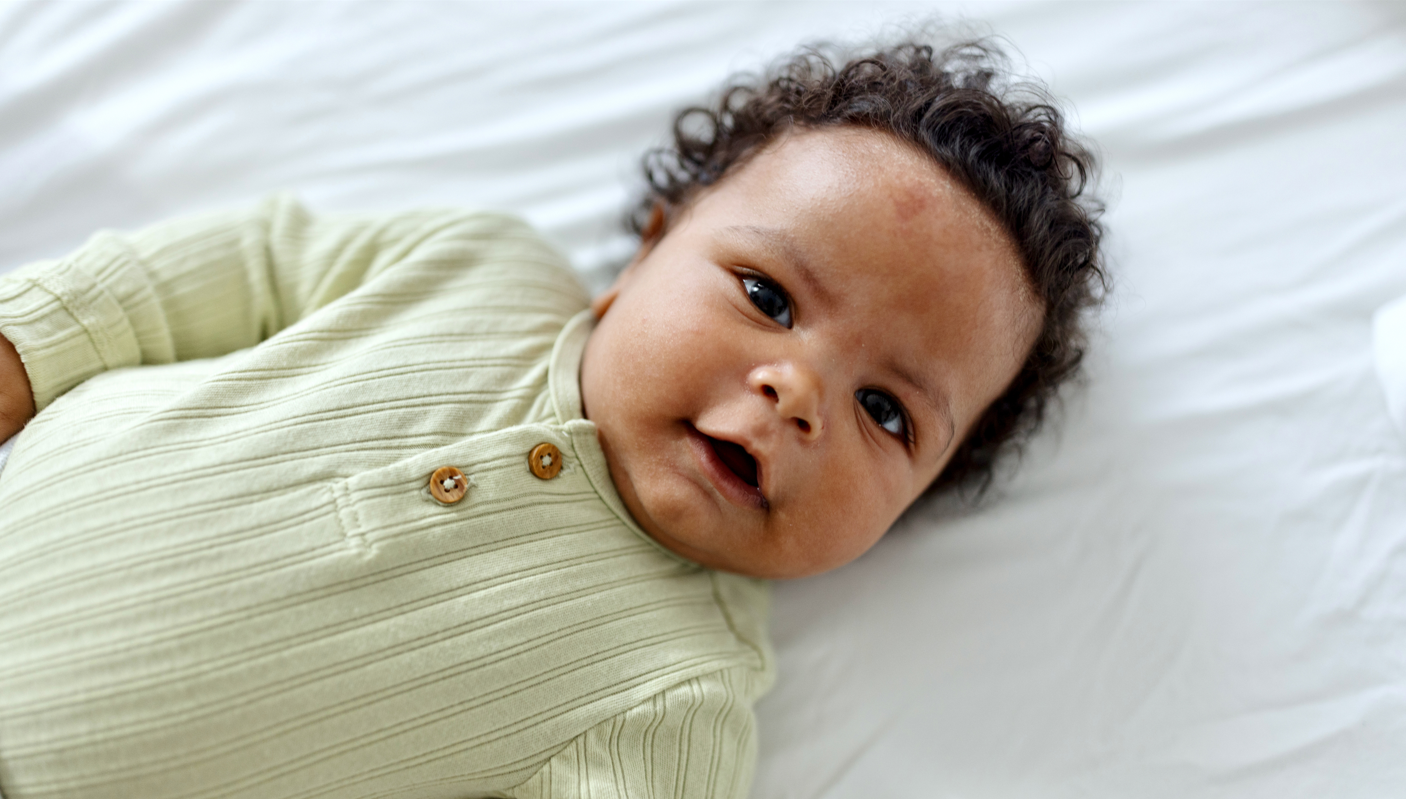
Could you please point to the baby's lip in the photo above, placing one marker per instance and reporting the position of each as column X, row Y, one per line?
column 732, row 467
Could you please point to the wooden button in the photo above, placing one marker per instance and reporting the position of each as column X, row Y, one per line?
column 545, row 461
column 448, row 485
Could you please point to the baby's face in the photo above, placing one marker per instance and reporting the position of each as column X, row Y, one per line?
column 792, row 364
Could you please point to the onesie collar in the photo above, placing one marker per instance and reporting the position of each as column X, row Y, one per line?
column 564, row 371
column 564, row 383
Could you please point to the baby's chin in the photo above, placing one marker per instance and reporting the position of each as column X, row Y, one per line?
column 697, row 528
column 677, row 524
column 716, row 552
column 687, row 519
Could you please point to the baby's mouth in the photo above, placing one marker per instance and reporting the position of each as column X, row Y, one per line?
column 732, row 470
column 736, row 459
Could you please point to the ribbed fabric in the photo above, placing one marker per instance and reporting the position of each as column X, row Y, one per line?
column 225, row 576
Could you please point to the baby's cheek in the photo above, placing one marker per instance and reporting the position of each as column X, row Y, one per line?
column 857, row 509
column 898, row 490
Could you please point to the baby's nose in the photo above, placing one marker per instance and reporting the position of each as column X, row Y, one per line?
column 795, row 392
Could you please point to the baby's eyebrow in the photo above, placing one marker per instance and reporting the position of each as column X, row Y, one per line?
column 783, row 244
column 937, row 401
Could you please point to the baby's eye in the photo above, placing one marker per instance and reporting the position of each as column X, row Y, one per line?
column 886, row 411
column 769, row 299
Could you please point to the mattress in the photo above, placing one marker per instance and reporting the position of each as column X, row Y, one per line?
column 1194, row 583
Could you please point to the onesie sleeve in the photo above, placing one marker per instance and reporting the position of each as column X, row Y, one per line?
column 696, row 740
column 196, row 288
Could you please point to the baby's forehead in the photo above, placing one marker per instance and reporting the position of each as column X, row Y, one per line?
column 862, row 223
column 833, row 168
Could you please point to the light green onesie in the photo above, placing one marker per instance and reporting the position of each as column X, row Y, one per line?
column 222, row 572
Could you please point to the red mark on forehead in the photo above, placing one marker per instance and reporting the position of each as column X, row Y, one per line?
column 909, row 201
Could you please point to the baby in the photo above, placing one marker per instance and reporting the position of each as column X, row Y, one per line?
column 388, row 510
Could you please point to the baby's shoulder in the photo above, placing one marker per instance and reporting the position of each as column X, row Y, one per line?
column 746, row 603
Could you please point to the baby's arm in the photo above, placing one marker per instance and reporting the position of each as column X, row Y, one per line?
column 696, row 740
column 191, row 288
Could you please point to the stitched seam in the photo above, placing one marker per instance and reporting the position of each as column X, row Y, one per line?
column 83, row 311
column 731, row 625
column 348, row 519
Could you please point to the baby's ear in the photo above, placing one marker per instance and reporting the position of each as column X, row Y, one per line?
column 603, row 300
column 653, row 227
column 650, row 235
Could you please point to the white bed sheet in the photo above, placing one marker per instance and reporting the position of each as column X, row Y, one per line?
column 1194, row 587
column 1389, row 352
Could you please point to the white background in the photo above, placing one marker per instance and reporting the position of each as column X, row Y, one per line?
column 1195, row 586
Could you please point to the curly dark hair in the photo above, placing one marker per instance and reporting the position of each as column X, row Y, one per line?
column 1005, row 141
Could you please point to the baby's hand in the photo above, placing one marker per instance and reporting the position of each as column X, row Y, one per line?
column 16, row 395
